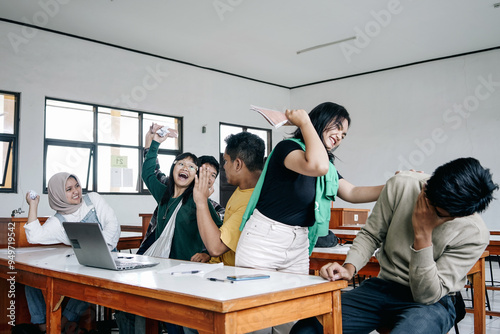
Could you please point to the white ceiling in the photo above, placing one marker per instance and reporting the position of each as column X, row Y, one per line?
column 259, row 39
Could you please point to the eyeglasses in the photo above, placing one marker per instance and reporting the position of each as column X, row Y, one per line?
column 191, row 167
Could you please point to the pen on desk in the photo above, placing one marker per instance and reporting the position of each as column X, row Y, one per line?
column 69, row 255
column 213, row 279
column 184, row 272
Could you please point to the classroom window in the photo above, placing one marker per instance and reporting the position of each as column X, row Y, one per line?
column 9, row 133
column 226, row 190
column 103, row 146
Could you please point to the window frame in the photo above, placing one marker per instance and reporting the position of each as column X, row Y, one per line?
column 226, row 189
column 13, row 140
column 95, row 145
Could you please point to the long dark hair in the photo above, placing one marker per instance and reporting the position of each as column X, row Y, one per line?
column 322, row 116
column 169, row 192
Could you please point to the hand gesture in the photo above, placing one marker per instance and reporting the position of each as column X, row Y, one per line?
column 425, row 219
column 334, row 271
column 297, row 117
column 200, row 257
column 32, row 201
column 201, row 190
column 150, row 135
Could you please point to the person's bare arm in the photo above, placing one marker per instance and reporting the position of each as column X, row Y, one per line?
column 33, row 207
column 358, row 194
column 209, row 231
column 314, row 160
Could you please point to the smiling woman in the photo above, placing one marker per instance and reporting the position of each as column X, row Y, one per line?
column 175, row 232
column 65, row 197
column 290, row 206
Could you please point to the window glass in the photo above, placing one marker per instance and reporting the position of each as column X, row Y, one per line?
column 74, row 160
column 69, row 121
column 6, row 164
column 226, row 130
column 7, row 113
column 263, row 134
column 171, row 122
column 118, row 127
column 9, row 124
column 102, row 145
column 165, row 162
column 118, row 169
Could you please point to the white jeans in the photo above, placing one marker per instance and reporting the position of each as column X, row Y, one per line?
column 268, row 244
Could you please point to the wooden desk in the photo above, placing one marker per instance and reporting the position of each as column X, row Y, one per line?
column 322, row 256
column 130, row 237
column 190, row 300
column 342, row 217
column 146, row 218
column 129, row 240
column 476, row 275
column 494, row 246
column 346, row 234
column 15, row 224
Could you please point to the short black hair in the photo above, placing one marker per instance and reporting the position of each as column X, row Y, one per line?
column 208, row 159
column 461, row 187
column 248, row 147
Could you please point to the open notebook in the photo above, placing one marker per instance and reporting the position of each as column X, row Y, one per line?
column 91, row 249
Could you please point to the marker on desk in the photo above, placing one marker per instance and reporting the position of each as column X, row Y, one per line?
column 213, row 279
column 185, row 272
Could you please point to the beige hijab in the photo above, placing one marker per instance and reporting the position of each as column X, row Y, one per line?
column 57, row 193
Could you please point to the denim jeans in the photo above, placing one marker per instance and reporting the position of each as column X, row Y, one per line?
column 129, row 323
column 380, row 303
column 37, row 307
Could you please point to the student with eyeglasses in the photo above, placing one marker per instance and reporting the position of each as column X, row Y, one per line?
column 175, row 234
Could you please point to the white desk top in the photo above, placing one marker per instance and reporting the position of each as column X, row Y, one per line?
column 127, row 234
column 56, row 258
column 341, row 231
column 494, row 237
column 333, row 250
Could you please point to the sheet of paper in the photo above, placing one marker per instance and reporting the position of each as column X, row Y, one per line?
column 24, row 250
column 194, row 268
column 274, row 117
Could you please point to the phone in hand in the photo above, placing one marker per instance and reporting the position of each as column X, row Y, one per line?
column 247, row 277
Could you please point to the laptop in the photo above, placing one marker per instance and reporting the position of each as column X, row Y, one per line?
column 91, row 249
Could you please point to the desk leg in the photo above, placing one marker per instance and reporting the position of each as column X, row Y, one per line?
column 53, row 303
column 332, row 322
column 478, row 284
column 225, row 323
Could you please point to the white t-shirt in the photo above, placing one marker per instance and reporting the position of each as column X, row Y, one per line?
column 52, row 231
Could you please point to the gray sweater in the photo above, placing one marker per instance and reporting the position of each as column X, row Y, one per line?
column 432, row 272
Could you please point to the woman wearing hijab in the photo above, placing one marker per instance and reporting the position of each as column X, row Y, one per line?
column 65, row 197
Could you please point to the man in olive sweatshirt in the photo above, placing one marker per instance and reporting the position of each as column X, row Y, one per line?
column 427, row 234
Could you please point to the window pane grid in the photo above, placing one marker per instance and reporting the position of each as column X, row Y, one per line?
column 9, row 127
column 107, row 150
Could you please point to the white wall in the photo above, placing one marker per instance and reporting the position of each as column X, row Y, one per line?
column 62, row 67
column 394, row 113
column 408, row 117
